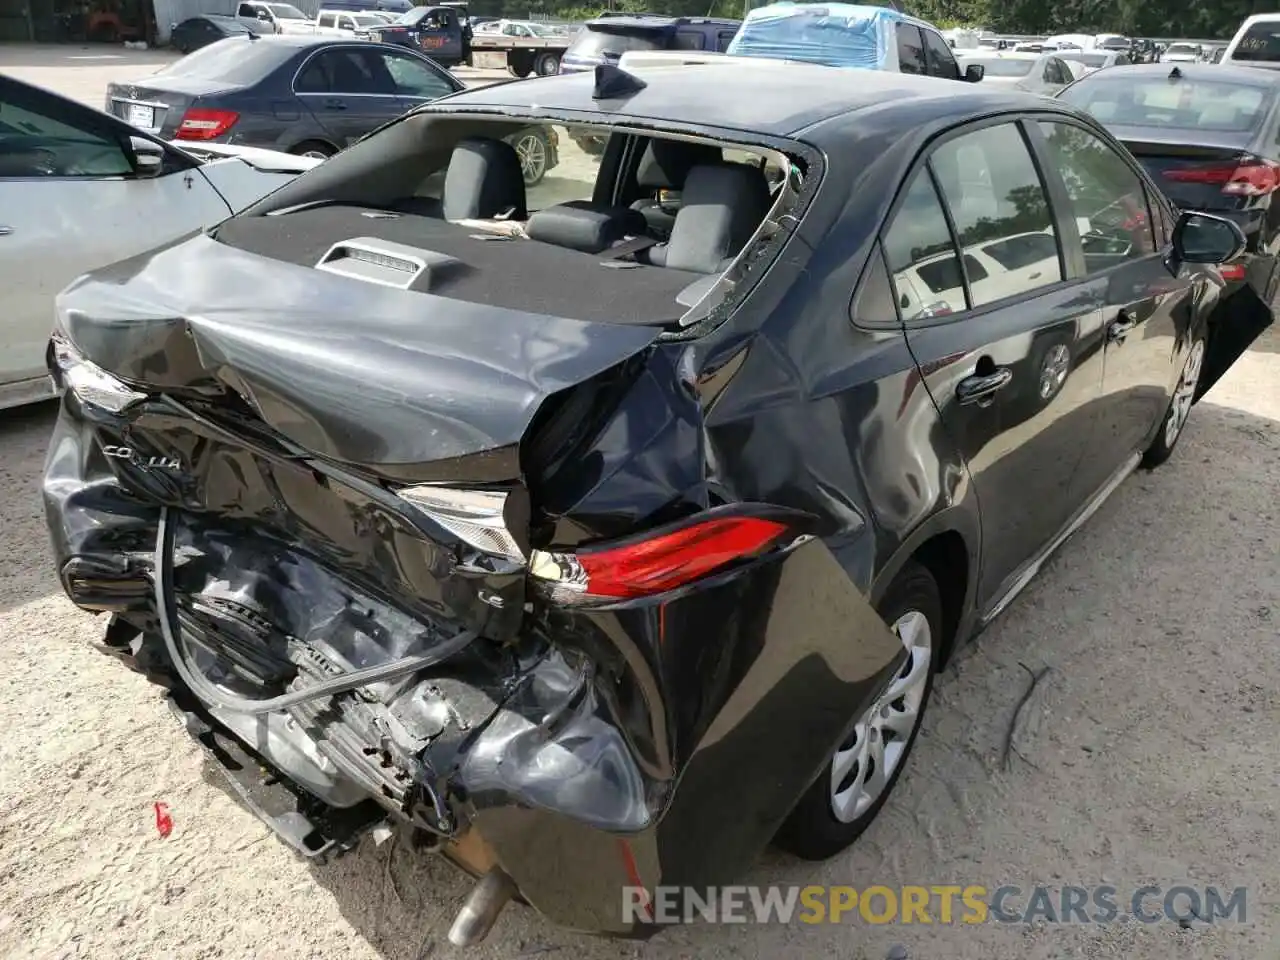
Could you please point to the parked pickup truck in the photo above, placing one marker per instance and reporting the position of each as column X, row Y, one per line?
column 522, row 47
column 276, row 17
column 347, row 23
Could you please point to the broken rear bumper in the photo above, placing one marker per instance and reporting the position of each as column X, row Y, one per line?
column 654, row 743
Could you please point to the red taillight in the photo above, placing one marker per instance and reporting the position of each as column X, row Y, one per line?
column 1251, row 177
column 202, row 123
column 669, row 560
column 1233, row 271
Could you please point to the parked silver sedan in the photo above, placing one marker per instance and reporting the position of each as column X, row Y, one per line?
column 79, row 190
column 1044, row 73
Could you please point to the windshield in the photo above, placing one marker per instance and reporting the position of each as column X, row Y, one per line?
column 1228, row 107
column 1000, row 66
column 1088, row 59
column 597, row 42
column 1183, row 48
column 1260, row 43
column 285, row 11
column 235, row 61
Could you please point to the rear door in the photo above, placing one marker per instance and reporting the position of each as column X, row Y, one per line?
column 349, row 91
column 1012, row 361
column 1146, row 309
column 60, row 162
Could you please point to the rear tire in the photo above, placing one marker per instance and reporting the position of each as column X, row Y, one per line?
column 832, row 815
column 314, row 148
column 547, row 64
column 1184, row 395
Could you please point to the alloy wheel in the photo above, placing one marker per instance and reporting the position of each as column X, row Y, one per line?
column 1053, row 373
column 1184, row 394
column 533, row 157
column 866, row 762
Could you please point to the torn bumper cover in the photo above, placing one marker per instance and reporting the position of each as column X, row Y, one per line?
column 255, row 517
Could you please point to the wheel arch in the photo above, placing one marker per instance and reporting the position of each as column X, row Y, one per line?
column 947, row 545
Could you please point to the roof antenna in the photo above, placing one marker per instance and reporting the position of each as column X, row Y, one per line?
column 613, row 83
column 1175, row 74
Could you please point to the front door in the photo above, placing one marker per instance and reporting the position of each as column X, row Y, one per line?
column 70, row 202
column 1146, row 309
column 1012, row 355
column 349, row 91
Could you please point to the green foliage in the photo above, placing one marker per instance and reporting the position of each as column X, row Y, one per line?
column 1152, row 18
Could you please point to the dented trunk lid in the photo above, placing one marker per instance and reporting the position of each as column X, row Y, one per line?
column 304, row 411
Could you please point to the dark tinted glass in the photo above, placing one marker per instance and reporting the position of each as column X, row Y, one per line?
column 921, row 255
column 234, row 60
column 1260, row 42
column 942, row 62
column 910, row 49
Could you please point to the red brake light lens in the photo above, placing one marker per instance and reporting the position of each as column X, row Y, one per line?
column 1251, row 177
column 202, row 123
column 670, row 560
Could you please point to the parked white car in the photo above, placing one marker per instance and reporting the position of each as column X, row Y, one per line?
column 1044, row 73
column 1182, row 53
column 280, row 17
column 995, row 269
column 79, row 190
column 347, row 23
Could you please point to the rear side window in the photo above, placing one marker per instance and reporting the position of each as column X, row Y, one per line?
column 910, row 49
column 327, row 19
column 942, row 62
column 687, row 40
column 724, row 38
column 874, row 304
column 1260, row 43
column 247, row 11
column 921, row 255
column 994, row 194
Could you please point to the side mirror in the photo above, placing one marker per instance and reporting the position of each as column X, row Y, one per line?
column 974, row 72
column 1204, row 238
column 148, row 157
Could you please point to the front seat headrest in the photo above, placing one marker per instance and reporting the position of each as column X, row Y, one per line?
column 665, row 164
column 721, row 207
column 484, row 181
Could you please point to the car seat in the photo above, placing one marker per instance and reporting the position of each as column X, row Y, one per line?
column 484, row 182
column 664, row 167
column 722, row 206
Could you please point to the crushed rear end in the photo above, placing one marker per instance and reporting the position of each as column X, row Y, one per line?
column 458, row 569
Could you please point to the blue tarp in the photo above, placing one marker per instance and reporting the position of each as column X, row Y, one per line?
column 835, row 34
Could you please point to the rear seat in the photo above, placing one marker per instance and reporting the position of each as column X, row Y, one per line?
column 484, row 182
column 722, row 206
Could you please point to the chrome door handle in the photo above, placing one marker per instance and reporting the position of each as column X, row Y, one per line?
column 5, row 231
column 981, row 388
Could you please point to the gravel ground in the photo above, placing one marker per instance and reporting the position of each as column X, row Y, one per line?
column 1148, row 754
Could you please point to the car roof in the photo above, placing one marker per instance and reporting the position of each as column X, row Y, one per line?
column 1223, row 73
column 774, row 98
column 633, row 21
column 1005, row 55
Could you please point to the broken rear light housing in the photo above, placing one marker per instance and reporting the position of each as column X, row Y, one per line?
column 669, row 558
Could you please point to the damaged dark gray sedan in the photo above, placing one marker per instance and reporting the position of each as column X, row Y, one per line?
column 596, row 541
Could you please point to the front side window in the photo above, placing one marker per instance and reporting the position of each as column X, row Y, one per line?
column 942, row 62
column 1107, row 197
column 995, row 196
column 41, row 141
column 921, row 255
column 910, row 49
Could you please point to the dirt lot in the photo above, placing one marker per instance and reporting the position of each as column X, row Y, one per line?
column 1152, row 755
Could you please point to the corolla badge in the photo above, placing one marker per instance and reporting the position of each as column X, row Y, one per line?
column 146, row 463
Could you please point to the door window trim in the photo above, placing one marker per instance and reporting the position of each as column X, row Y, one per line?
column 1051, row 186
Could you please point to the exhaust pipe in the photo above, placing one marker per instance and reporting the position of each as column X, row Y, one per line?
column 481, row 908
